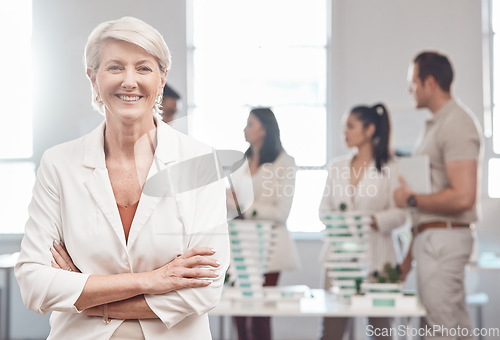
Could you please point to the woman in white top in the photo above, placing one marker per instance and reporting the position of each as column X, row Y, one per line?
column 135, row 210
column 273, row 177
column 365, row 182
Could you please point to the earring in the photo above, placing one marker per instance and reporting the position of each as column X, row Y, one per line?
column 98, row 98
column 159, row 99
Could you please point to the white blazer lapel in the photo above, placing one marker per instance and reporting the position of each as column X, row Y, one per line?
column 99, row 184
column 158, row 184
column 99, row 187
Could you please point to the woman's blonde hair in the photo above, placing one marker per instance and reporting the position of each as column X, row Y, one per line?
column 131, row 30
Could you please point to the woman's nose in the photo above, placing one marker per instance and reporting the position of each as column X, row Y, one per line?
column 129, row 79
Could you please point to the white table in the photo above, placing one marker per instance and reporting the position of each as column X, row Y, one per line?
column 7, row 263
column 319, row 304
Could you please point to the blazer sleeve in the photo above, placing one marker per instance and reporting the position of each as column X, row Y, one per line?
column 44, row 288
column 204, row 214
column 392, row 217
column 283, row 191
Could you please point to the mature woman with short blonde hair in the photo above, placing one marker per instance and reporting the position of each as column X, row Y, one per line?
column 135, row 222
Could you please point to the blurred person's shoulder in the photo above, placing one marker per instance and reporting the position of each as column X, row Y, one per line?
column 285, row 159
column 340, row 162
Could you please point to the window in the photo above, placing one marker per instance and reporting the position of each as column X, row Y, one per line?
column 273, row 54
column 16, row 131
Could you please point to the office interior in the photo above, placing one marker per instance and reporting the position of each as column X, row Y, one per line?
column 369, row 46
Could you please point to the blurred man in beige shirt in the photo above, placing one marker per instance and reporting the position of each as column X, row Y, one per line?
column 442, row 220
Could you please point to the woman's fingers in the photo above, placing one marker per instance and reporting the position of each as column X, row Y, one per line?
column 62, row 258
column 204, row 251
column 199, row 256
column 198, row 260
column 58, row 259
column 194, row 283
column 197, row 273
column 173, row 270
column 195, row 268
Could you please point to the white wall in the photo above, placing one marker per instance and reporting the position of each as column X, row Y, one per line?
column 373, row 42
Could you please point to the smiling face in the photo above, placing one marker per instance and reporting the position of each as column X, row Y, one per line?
column 355, row 133
column 128, row 80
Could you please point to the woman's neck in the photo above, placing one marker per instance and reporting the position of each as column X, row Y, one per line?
column 365, row 154
column 254, row 160
column 126, row 141
column 256, row 147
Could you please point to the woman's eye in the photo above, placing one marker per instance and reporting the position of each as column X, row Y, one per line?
column 144, row 69
column 114, row 68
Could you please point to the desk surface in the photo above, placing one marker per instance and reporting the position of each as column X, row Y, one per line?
column 319, row 304
column 8, row 261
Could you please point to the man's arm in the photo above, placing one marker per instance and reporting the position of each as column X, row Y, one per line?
column 458, row 197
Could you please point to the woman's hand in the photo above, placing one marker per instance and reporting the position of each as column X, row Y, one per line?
column 192, row 269
column 62, row 260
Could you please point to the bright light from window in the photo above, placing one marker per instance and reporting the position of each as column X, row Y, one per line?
column 264, row 53
column 260, row 76
column 493, row 177
column 259, row 23
column 309, row 188
column 16, row 181
column 15, row 87
column 274, row 55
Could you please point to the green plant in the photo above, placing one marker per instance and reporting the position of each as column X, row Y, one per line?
column 387, row 274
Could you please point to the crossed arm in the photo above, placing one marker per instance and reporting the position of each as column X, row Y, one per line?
column 124, row 293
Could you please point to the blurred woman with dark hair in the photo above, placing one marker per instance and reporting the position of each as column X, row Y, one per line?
column 273, row 177
column 364, row 182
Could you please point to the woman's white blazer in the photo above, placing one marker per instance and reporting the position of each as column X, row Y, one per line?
column 374, row 193
column 273, row 188
column 182, row 206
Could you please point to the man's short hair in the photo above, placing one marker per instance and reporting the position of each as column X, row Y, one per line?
column 436, row 65
column 169, row 92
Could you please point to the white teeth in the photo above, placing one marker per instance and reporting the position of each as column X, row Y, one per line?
column 129, row 99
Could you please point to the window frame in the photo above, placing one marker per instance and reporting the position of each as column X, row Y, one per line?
column 329, row 111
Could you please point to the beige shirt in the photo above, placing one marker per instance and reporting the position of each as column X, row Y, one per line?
column 452, row 134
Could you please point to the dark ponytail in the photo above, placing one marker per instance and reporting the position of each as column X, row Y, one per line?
column 379, row 117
